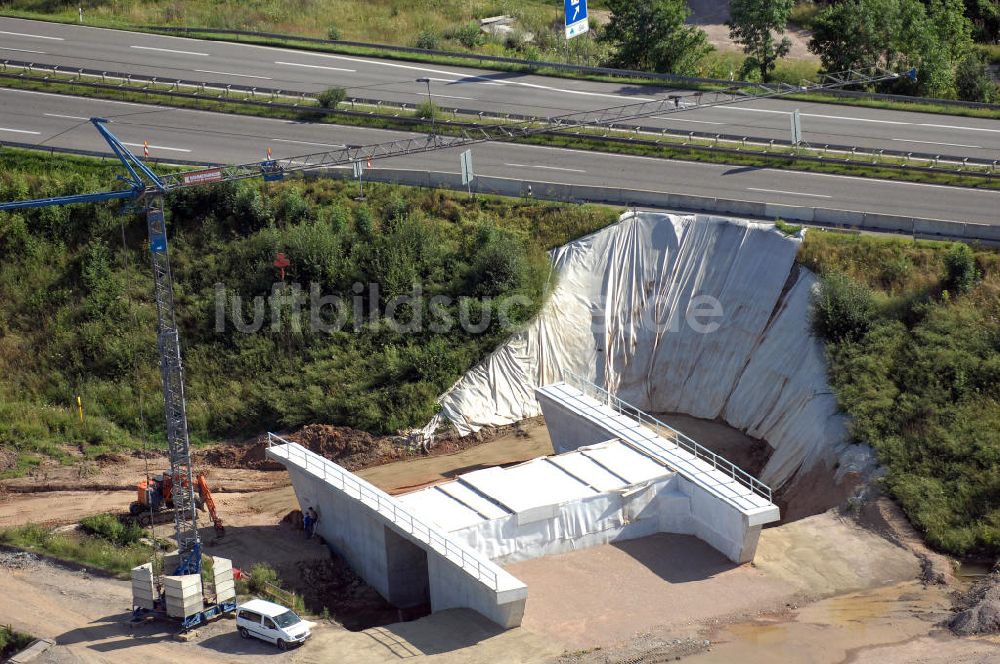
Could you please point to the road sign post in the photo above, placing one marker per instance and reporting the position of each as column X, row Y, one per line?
column 467, row 174
column 359, row 168
column 576, row 18
column 796, row 128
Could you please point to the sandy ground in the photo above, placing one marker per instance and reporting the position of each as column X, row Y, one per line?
column 607, row 594
column 711, row 16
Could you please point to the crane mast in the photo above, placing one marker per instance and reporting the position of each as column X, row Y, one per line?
column 148, row 189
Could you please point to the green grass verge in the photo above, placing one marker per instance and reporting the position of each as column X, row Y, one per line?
column 12, row 641
column 88, row 550
column 918, row 370
column 665, row 147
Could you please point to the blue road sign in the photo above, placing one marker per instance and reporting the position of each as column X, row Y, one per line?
column 576, row 18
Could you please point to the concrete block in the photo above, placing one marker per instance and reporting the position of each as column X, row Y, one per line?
column 185, row 609
column 224, row 595
column 143, row 572
column 221, row 565
column 983, row 232
column 888, row 222
column 143, row 603
column 178, row 585
column 592, row 194
column 844, row 218
column 143, row 593
column 935, row 227
column 741, row 208
column 691, row 203
column 788, row 212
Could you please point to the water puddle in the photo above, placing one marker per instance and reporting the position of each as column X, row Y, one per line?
column 838, row 629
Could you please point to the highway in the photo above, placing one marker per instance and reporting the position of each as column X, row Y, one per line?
column 479, row 89
column 59, row 121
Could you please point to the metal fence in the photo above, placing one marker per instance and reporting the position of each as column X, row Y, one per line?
column 478, row 566
column 669, row 433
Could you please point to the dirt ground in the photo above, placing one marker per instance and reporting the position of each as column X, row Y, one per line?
column 825, row 588
column 711, row 16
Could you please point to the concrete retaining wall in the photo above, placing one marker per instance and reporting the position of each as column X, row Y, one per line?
column 407, row 561
column 919, row 227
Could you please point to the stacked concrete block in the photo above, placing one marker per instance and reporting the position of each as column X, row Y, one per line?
column 183, row 595
column 143, row 586
column 225, row 585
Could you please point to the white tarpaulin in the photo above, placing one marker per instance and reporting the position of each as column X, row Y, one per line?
column 630, row 313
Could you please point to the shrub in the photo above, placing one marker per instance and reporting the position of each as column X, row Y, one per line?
column 331, row 97
column 469, row 35
column 427, row 110
column 429, row 40
column 843, row 310
column 333, row 33
column 960, row 269
column 112, row 529
column 973, row 81
column 262, row 574
column 12, row 641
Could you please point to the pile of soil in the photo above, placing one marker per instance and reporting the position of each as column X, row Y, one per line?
column 979, row 608
column 351, row 448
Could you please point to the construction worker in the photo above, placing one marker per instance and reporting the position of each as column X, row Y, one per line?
column 307, row 521
column 312, row 518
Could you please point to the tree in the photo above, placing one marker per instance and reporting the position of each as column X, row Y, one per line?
column 896, row 34
column 753, row 23
column 972, row 82
column 650, row 35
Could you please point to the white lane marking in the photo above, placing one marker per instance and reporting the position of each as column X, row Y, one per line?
column 550, row 168
column 468, row 78
column 940, row 126
column 455, row 80
column 155, row 147
column 20, row 131
column 790, row 193
column 951, row 145
column 65, row 117
column 169, row 50
column 229, row 73
column 449, row 97
column 816, row 115
column 25, row 34
column 322, row 145
column 970, row 192
column 63, row 98
column 299, row 64
column 21, row 50
column 667, row 117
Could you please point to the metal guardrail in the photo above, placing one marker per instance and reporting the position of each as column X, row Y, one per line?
column 658, row 426
column 565, row 66
column 483, row 569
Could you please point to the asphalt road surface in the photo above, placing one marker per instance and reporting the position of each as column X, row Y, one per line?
column 480, row 90
column 60, row 121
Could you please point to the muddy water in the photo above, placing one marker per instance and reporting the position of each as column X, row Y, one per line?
column 862, row 626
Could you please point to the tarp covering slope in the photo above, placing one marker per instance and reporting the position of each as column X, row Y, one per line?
column 623, row 315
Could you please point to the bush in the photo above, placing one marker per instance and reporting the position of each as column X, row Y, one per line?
column 429, row 40
column 12, row 642
column 331, row 97
column 973, row 82
column 262, row 574
column 960, row 269
column 112, row 529
column 333, row 33
column 427, row 110
column 843, row 310
column 469, row 35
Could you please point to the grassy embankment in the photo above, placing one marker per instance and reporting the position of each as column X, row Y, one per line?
column 103, row 542
column 74, row 321
column 913, row 342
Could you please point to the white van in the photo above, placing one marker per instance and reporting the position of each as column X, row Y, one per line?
column 272, row 622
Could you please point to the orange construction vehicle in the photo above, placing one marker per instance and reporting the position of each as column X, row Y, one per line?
column 155, row 501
